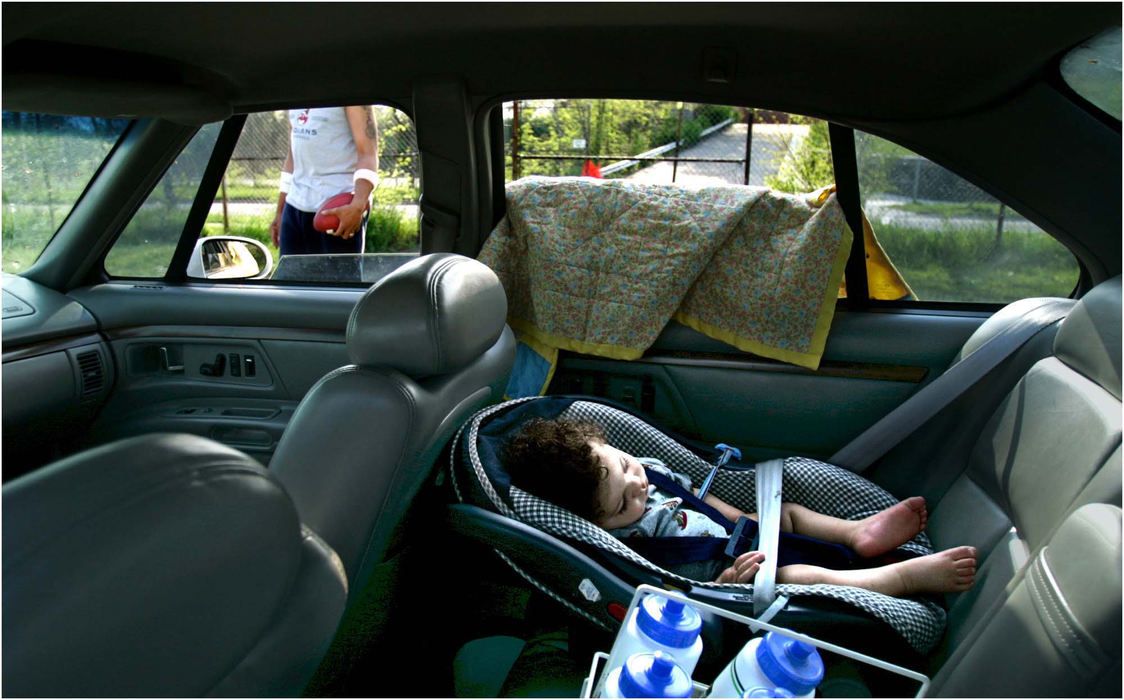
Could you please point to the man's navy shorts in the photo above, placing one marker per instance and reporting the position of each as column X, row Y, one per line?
column 299, row 238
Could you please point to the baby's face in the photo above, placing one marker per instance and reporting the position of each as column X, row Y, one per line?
column 623, row 493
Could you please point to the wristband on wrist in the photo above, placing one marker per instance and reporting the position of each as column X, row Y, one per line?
column 285, row 182
column 366, row 174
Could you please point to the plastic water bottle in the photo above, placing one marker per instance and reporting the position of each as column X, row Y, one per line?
column 772, row 661
column 760, row 692
column 648, row 675
column 660, row 624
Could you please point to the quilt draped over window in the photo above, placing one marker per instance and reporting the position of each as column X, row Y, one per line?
column 600, row 266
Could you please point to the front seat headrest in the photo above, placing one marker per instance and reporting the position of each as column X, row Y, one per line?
column 1089, row 337
column 431, row 316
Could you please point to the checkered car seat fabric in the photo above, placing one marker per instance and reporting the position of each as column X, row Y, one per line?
column 479, row 479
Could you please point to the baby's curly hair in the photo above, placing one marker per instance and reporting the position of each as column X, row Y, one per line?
column 552, row 459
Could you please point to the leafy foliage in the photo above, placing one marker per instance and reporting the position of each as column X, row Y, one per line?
column 805, row 164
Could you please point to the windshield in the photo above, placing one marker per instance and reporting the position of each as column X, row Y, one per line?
column 47, row 162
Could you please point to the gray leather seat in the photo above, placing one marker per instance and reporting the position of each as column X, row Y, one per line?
column 1040, row 496
column 429, row 345
column 162, row 565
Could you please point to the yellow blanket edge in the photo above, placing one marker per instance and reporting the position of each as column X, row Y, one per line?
column 614, row 352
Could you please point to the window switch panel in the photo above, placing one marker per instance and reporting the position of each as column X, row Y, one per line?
column 235, row 365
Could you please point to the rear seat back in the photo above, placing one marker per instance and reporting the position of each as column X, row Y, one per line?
column 1040, row 497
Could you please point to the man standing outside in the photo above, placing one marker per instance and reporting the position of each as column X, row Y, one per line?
column 331, row 150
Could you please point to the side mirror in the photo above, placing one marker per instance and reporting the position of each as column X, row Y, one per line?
column 229, row 257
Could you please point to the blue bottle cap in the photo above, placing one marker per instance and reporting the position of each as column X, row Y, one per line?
column 669, row 622
column 654, row 675
column 790, row 663
column 760, row 692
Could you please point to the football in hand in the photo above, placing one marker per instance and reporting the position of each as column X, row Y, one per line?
column 329, row 222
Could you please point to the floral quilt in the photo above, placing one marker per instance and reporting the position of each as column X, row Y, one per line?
column 600, row 266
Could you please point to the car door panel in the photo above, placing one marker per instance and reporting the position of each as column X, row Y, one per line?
column 233, row 367
column 712, row 392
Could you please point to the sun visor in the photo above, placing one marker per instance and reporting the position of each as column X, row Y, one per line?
column 65, row 79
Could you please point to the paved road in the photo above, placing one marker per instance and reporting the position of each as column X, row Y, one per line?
column 884, row 210
column 769, row 143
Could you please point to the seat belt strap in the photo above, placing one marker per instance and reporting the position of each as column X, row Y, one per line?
column 895, row 426
column 769, row 523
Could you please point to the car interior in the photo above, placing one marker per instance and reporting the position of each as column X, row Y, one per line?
column 228, row 472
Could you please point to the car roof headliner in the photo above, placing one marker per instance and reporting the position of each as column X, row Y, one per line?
column 850, row 61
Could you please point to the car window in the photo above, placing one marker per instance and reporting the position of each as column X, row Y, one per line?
column 949, row 239
column 145, row 247
column 667, row 142
column 48, row 161
column 935, row 237
column 247, row 201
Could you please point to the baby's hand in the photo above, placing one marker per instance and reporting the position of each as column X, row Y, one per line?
column 743, row 570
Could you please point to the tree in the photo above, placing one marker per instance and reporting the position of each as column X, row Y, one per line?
column 804, row 164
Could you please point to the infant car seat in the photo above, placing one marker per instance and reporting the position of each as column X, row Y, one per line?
column 594, row 574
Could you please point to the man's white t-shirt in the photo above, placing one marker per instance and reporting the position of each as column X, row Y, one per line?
column 324, row 156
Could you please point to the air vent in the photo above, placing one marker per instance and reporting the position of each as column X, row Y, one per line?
column 93, row 374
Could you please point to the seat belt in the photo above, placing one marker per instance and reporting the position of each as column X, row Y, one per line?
column 880, row 438
column 769, row 523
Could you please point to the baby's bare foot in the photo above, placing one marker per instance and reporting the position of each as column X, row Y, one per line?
column 950, row 571
column 894, row 526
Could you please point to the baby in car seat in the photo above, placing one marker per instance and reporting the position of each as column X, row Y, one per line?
column 571, row 464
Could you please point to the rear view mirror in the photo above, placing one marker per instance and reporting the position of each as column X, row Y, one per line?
column 229, row 257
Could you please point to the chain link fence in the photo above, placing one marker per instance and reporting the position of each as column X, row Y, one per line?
column 247, row 199
column 901, row 188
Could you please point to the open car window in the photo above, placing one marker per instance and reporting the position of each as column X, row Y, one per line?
column 48, row 162
column 247, row 200
column 245, row 205
column 934, row 236
column 950, row 240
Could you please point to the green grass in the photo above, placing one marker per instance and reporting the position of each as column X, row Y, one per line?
column 25, row 234
column 970, row 265
column 957, row 209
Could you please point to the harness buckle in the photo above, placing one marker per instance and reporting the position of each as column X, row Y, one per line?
column 746, row 537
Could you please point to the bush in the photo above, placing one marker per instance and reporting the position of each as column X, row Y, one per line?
column 390, row 231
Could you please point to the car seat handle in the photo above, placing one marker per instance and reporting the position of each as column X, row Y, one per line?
column 727, row 452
